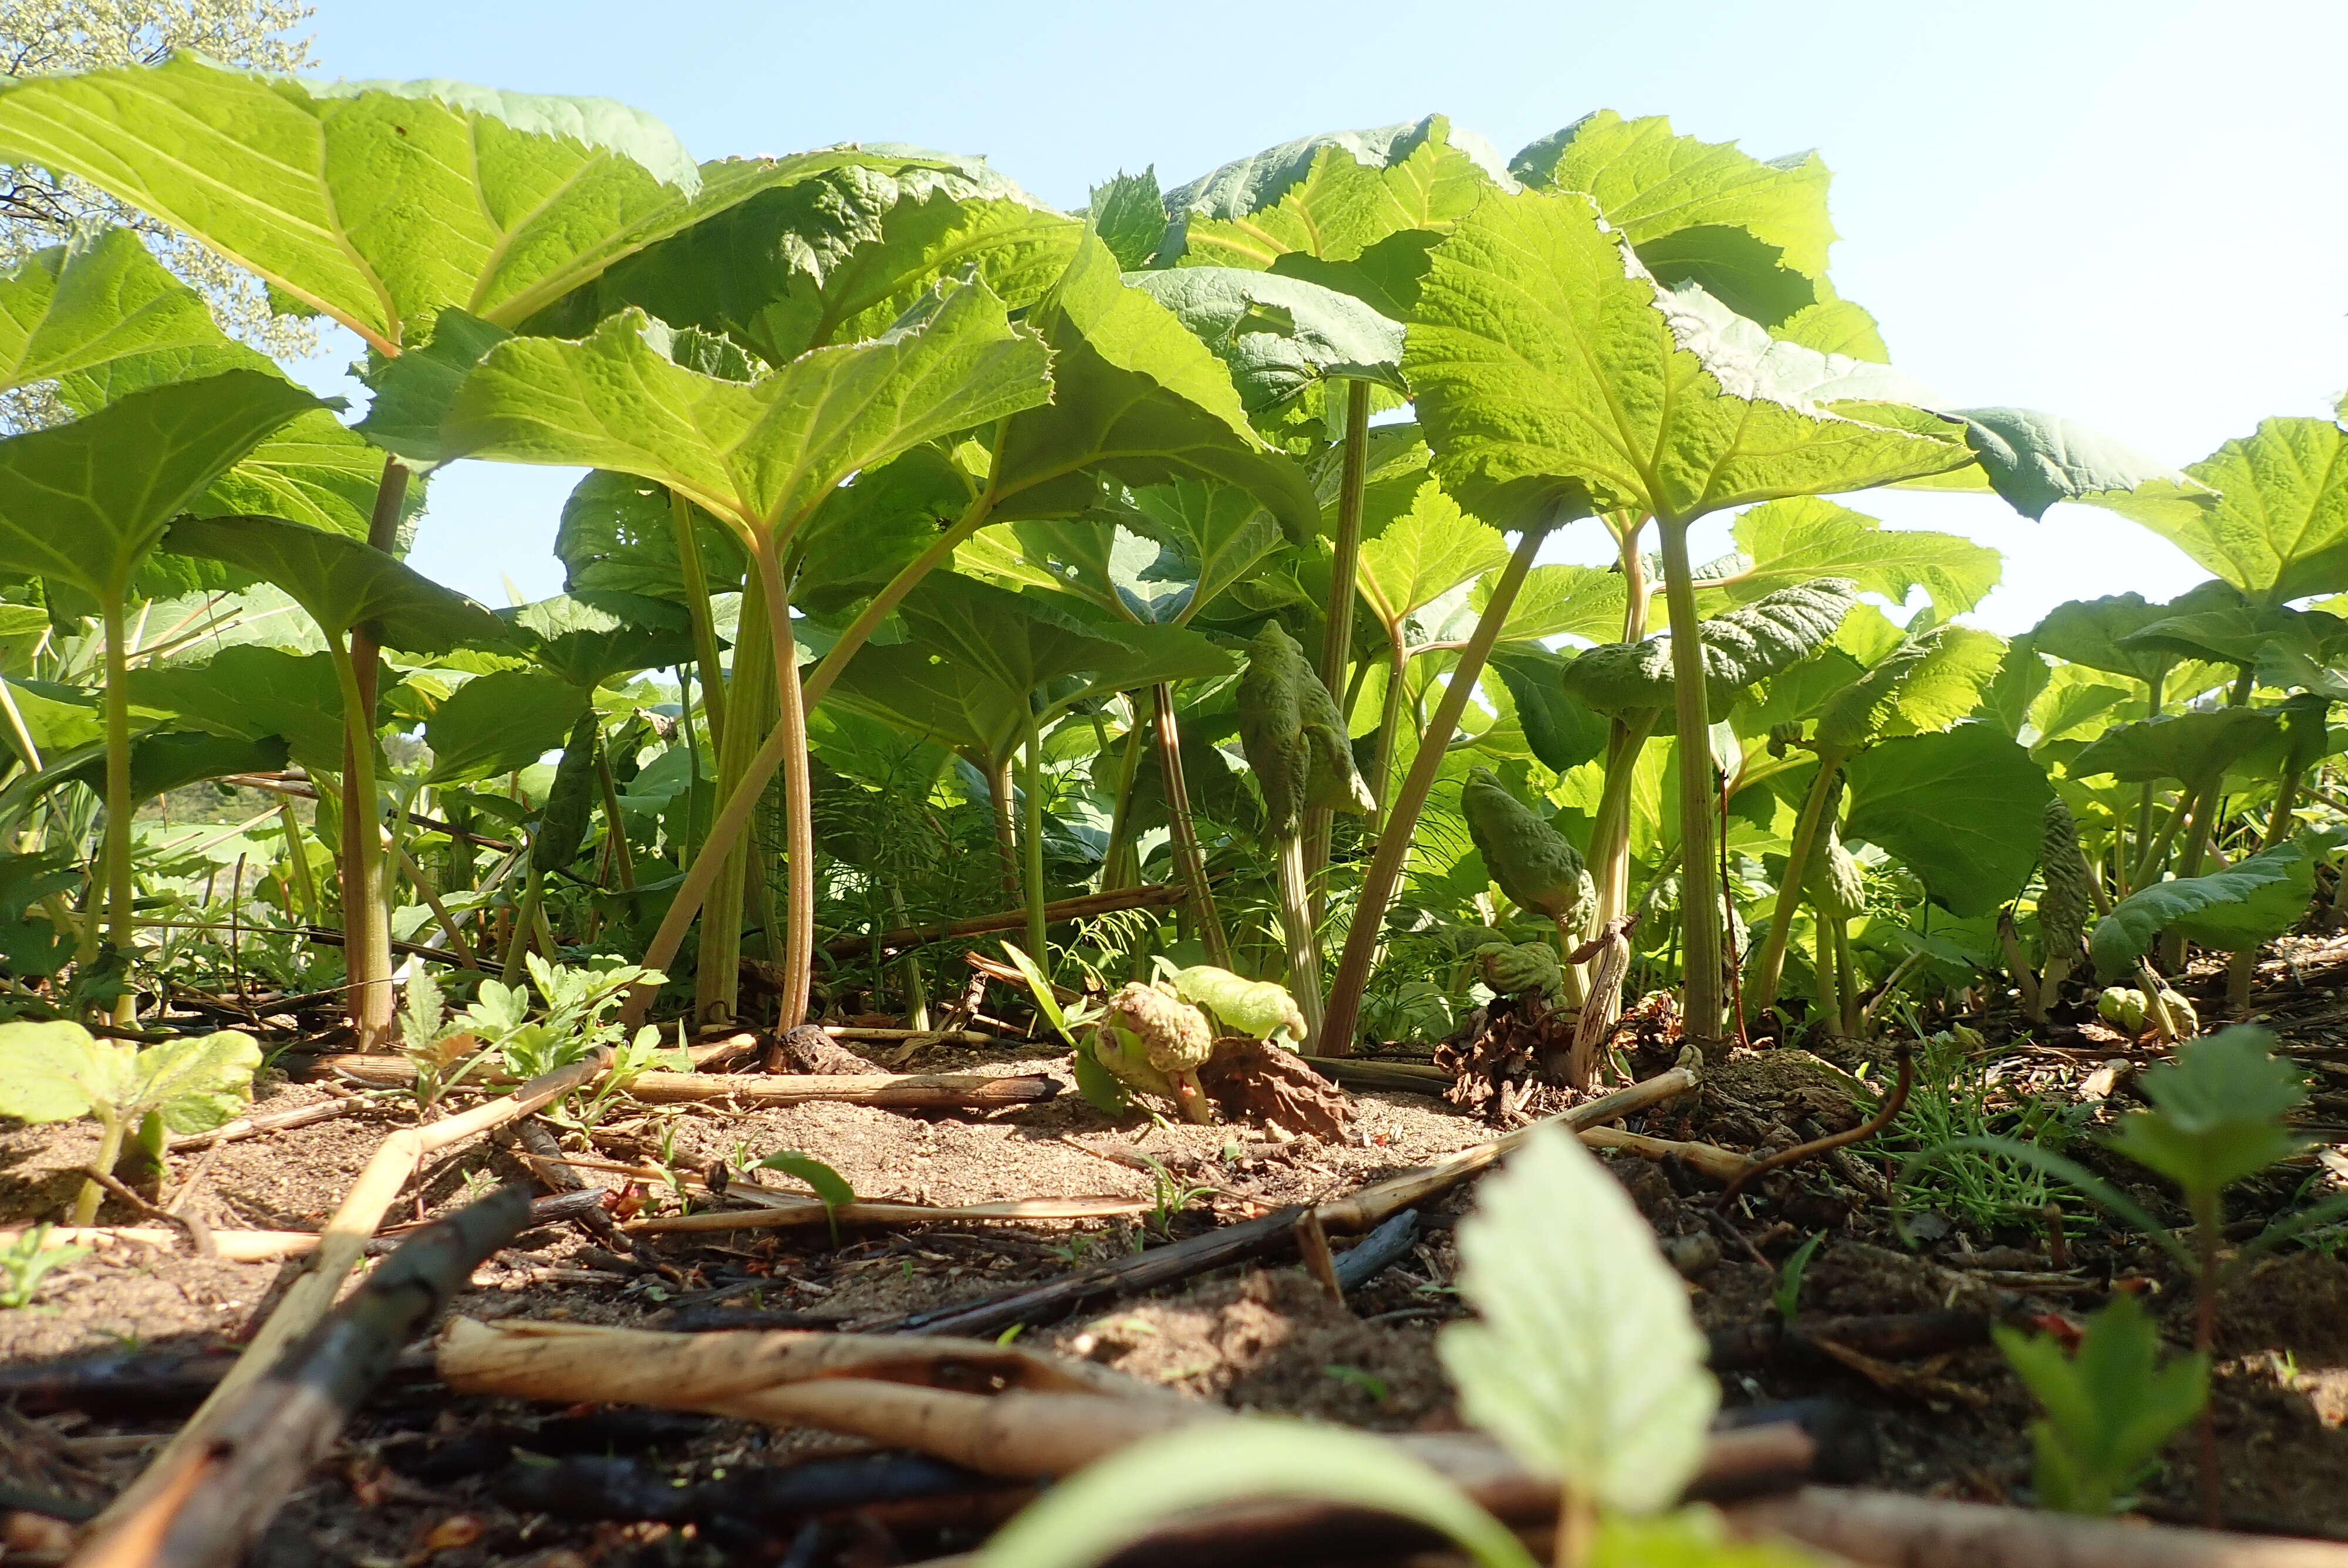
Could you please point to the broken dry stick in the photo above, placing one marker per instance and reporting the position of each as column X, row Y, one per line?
column 205, row 1501
column 782, row 1211
column 1363, row 1211
column 890, row 1091
column 1053, row 1417
column 344, row 1241
column 1900, row 1532
column 268, row 1122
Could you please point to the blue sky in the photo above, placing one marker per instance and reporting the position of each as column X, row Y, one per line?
column 2129, row 213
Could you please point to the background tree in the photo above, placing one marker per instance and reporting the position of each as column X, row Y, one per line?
column 40, row 208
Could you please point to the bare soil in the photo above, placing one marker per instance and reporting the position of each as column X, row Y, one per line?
column 424, row 1476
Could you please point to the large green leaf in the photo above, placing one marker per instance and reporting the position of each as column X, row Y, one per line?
column 1560, row 730
column 617, row 536
column 1745, row 646
column 160, row 763
column 762, row 454
column 923, row 693
column 81, row 503
column 1330, row 197
column 2090, row 631
column 2218, row 1112
column 1546, row 370
column 1135, row 396
column 1585, row 1362
column 1924, row 684
column 2242, row 634
column 343, row 582
column 101, row 316
column 251, row 693
column 2278, row 530
column 2255, row 900
column 2192, row 747
column 1561, row 601
column 1961, row 808
column 1752, row 233
column 502, row 722
column 842, row 255
column 1213, row 536
column 1804, row 537
column 1426, row 553
column 867, row 530
column 1017, row 645
column 589, row 645
column 1278, row 335
column 2035, row 459
column 380, row 203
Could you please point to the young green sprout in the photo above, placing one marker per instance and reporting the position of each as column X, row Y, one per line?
column 58, row 1072
column 2109, row 1409
column 2217, row 1119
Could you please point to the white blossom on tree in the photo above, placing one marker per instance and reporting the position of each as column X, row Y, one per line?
column 55, row 37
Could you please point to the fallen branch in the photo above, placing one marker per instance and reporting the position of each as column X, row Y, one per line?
column 1858, row 1135
column 268, row 1122
column 1888, row 1337
column 1706, row 1159
column 205, row 1501
column 1363, row 1211
column 339, row 1248
column 1053, row 1417
column 783, row 1210
column 231, row 1246
column 1895, row 1531
column 1378, row 1251
column 1077, row 908
column 890, row 1091
column 1402, row 1077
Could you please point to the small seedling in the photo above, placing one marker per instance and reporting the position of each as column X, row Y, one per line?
column 2109, row 1409
column 2217, row 1118
column 1368, row 1383
column 1788, row 1297
column 827, row 1185
column 1173, row 1197
column 23, row 1264
column 58, row 1072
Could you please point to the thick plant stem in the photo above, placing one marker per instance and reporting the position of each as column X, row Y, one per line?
column 2243, row 967
column 109, row 1150
column 1381, row 779
column 1378, row 884
column 1003, row 807
column 1699, row 901
column 1189, row 861
column 525, row 927
column 1303, row 943
column 1610, row 830
column 1344, row 568
column 360, row 838
column 366, row 926
column 1031, row 836
column 749, row 698
column 119, row 894
column 1114, row 875
column 799, row 813
column 2207, row 804
column 695, row 577
column 734, row 811
column 297, row 860
column 623, row 858
column 1769, row 968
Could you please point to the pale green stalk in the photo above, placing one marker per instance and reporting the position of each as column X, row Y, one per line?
column 1384, row 875
column 1700, row 906
column 1344, row 569
column 1303, row 941
column 695, row 579
column 1189, row 861
column 366, row 928
column 1769, row 967
column 1032, row 837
